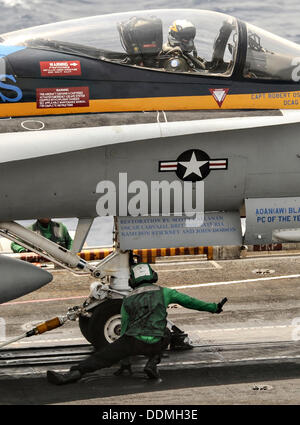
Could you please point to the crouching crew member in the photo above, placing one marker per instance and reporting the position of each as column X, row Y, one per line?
column 144, row 321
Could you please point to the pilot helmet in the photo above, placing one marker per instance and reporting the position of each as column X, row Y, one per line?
column 141, row 273
column 182, row 34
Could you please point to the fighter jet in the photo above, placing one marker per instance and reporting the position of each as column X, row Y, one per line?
column 159, row 95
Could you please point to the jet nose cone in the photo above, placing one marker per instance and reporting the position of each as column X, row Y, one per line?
column 18, row 278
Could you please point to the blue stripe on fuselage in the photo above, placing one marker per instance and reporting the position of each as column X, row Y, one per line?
column 8, row 50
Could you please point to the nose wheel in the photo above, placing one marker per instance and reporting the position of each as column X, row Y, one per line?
column 112, row 328
column 104, row 326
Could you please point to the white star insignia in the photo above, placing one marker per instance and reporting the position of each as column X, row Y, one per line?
column 193, row 166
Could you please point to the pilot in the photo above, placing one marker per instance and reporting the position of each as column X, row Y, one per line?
column 144, row 321
column 52, row 230
column 181, row 48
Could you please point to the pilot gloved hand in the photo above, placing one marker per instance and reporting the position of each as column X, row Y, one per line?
column 220, row 305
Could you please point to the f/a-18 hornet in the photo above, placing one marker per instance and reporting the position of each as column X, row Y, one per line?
column 160, row 95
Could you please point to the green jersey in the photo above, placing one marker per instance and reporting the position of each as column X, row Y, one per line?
column 148, row 324
column 56, row 232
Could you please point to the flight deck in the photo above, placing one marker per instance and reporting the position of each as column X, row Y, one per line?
column 249, row 354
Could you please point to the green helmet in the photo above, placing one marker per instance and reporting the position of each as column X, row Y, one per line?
column 141, row 273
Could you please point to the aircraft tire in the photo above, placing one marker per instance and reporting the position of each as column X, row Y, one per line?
column 104, row 326
column 84, row 326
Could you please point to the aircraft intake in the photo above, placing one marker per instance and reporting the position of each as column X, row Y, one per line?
column 18, row 278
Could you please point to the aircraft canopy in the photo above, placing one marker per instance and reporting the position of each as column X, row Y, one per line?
column 175, row 40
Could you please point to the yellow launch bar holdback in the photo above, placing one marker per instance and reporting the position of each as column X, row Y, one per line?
column 46, row 326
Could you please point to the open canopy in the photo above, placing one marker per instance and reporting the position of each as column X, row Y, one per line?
column 211, row 43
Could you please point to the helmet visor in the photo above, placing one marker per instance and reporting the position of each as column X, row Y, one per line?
column 185, row 34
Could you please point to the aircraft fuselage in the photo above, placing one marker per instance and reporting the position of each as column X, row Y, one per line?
column 54, row 171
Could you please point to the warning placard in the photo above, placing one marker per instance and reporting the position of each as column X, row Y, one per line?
column 63, row 97
column 60, row 69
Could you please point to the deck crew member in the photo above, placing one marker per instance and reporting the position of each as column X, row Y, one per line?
column 52, row 230
column 144, row 321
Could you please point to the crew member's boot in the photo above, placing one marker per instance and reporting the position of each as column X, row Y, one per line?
column 63, row 378
column 125, row 364
column 151, row 367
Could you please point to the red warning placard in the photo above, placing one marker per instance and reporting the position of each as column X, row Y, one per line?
column 63, row 97
column 60, row 69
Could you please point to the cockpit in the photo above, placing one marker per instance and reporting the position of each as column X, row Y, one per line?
column 176, row 40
